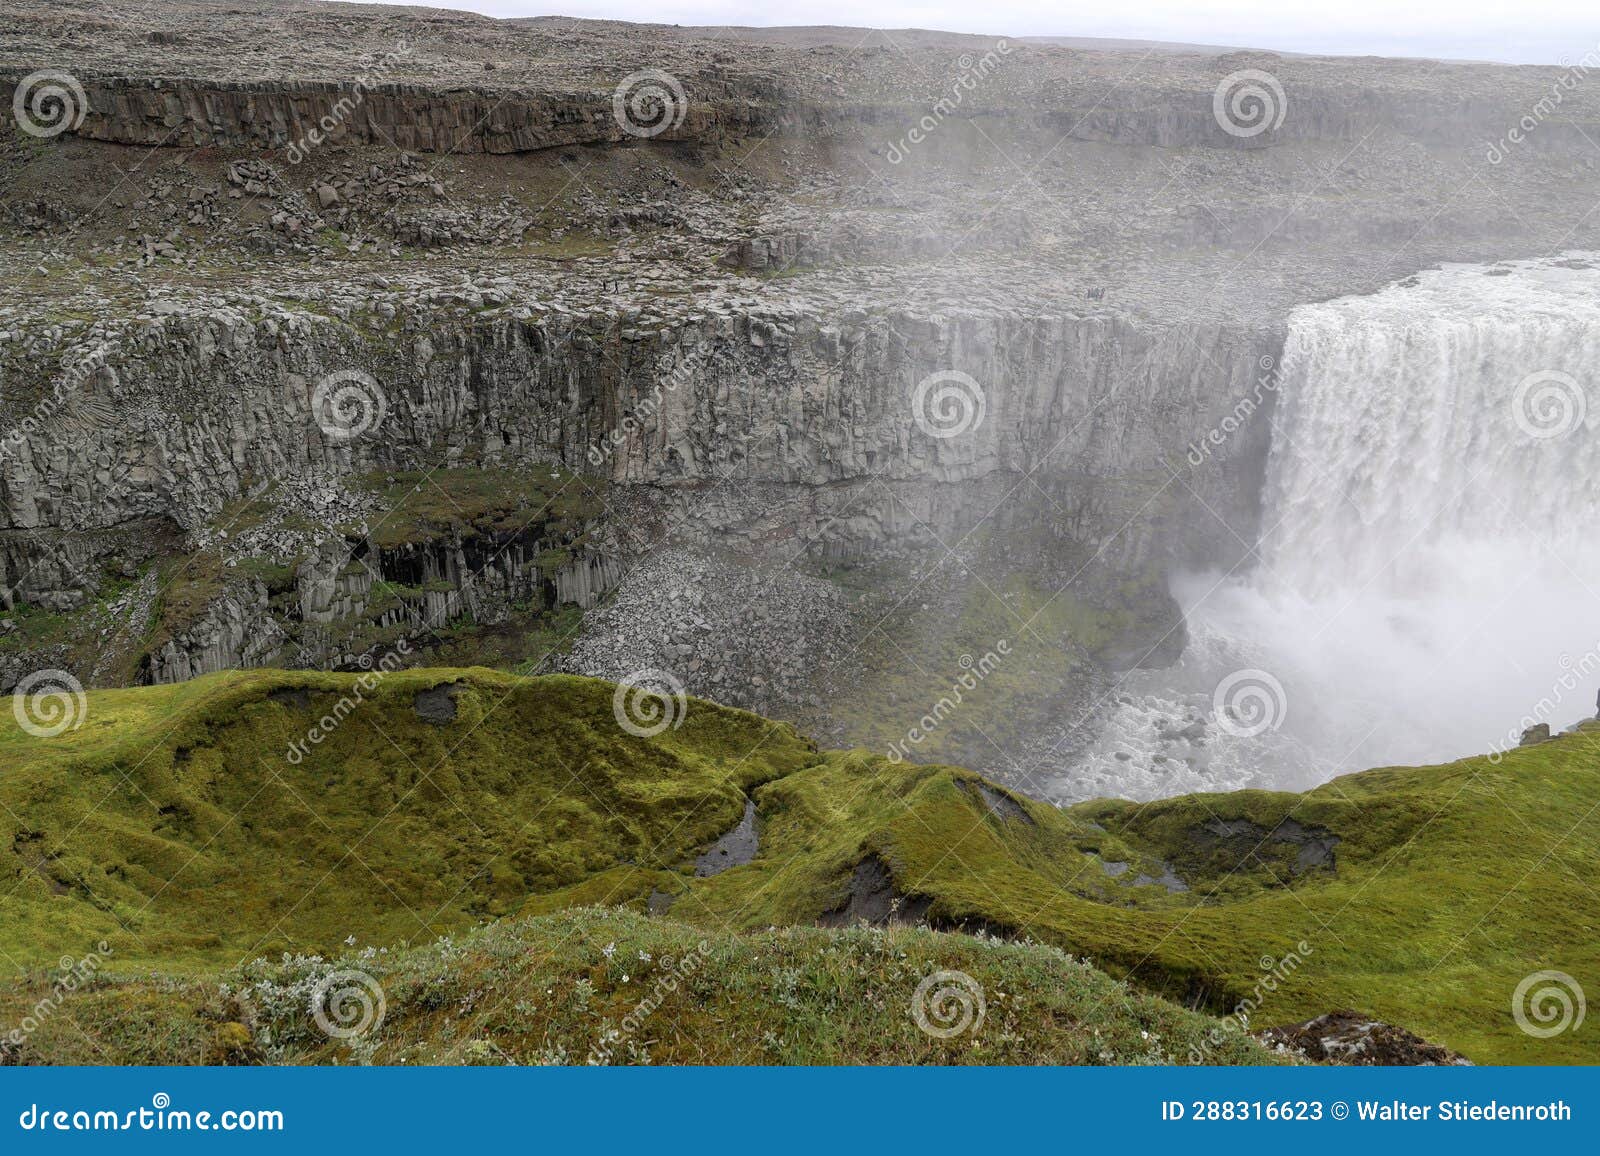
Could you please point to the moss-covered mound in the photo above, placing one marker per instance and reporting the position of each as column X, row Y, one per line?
column 605, row 985
column 195, row 824
column 1422, row 896
column 174, row 825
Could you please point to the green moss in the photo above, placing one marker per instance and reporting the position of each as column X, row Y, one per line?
column 174, row 822
column 1025, row 642
column 35, row 626
column 171, row 825
column 607, row 986
column 1442, row 897
column 421, row 506
column 189, row 586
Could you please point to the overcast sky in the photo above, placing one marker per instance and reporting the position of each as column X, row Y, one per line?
column 1550, row 32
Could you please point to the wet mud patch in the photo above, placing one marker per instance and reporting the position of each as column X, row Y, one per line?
column 736, row 848
column 1288, row 850
column 437, row 705
column 29, row 846
column 1000, row 804
column 1168, row 879
column 874, row 900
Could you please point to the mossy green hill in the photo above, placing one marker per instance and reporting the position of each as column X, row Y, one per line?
column 171, row 825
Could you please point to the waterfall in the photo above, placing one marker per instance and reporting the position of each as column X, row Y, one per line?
column 1427, row 575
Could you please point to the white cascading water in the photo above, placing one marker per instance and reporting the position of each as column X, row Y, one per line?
column 1428, row 574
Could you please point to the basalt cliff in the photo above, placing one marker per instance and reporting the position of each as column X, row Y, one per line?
column 808, row 378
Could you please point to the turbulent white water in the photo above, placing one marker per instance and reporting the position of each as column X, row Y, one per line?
column 1428, row 573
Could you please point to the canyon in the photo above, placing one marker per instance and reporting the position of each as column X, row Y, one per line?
column 802, row 375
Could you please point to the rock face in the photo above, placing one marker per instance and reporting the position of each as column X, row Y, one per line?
column 205, row 397
column 1349, row 1038
column 857, row 376
column 292, row 116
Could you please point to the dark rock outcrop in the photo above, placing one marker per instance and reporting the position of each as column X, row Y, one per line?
column 1349, row 1038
